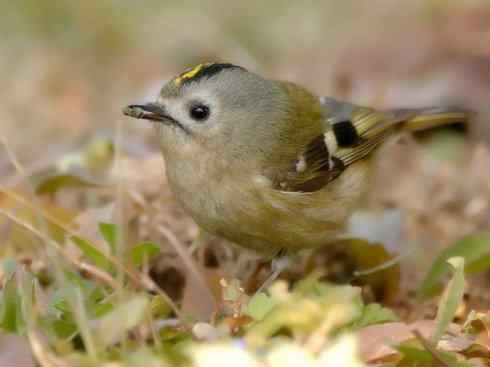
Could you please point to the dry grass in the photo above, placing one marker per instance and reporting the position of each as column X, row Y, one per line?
column 68, row 68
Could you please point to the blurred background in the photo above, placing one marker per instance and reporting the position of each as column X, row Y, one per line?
column 69, row 67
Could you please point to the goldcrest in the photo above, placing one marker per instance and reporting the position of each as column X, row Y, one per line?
column 266, row 164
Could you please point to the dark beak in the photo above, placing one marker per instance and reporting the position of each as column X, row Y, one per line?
column 149, row 111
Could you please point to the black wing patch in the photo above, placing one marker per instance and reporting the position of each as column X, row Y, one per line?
column 345, row 133
column 317, row 166
column 352, row 134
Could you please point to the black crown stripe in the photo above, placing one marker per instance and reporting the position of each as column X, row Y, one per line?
column 203, row 71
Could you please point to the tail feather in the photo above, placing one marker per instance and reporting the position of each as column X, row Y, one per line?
column 429, row 118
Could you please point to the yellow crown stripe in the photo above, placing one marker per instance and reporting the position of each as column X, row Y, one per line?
column 190, row 74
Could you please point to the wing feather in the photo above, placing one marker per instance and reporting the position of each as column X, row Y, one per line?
column 351, row 134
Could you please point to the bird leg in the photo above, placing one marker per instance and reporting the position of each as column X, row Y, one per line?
column 278, row 265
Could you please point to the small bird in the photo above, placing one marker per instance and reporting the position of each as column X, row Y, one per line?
column 266, row 164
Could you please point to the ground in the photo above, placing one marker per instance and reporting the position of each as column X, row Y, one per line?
column 71, row 161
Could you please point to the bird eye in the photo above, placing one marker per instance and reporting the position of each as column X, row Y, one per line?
column 199, row 112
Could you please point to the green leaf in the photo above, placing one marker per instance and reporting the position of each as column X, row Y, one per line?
column 113, row 327
column 99, row 155
column 94, row 254
column 58, row 303
column 143, row 251
column 452, row 297
column 97, row 303
column 259, row 305
column 63, row 328
column 110, row 233
column 9, row 267
column 414, row 356
column 11, row 312
column 475, row 249
column 310, row 304
column 160, row 308
column 53, row 184
column 26, row 288
column 76, row 279
column 374, row 314
column 429, row 356
column 232, row 291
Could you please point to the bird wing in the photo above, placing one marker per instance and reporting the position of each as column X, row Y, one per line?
column 351, row 133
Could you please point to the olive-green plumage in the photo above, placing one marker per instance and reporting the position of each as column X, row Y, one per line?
column 266, row 164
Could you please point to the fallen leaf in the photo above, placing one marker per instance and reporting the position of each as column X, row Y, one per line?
column 458, row 343
column 378, row 340
column 384, row 281
column 41, row 214
column 51, row 185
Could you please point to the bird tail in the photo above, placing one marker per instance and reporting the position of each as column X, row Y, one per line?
column 428, row 118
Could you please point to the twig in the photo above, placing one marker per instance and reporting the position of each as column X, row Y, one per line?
column 119, row 197
column 43, row 357
column 97, row 273
column 40, row 351
column 143, row 282
column 18, row 198
column 385, row 265
column 187, row 260
column 83, row 324
column 431, row 349
column 41, row 164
